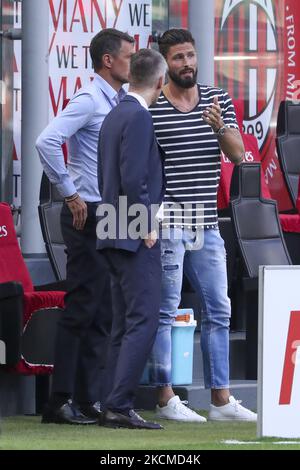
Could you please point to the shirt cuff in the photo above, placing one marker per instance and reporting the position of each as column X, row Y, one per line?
column 66, row 189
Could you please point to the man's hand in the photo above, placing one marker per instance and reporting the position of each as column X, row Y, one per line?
column 151, row 239
column 79, row 210
column 231, row 142
column 212, row 115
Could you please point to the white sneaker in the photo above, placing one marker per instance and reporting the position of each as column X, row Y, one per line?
column 233, row 411
column 176, row 410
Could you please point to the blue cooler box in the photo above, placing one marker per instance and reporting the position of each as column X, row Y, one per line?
column 182, row 351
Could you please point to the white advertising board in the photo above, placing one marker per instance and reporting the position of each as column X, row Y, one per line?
column 279, row 352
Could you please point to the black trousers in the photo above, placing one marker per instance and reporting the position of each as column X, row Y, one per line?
column 136, row 292
column 83, row 331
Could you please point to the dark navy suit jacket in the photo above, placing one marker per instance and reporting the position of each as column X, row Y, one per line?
column 129, row 164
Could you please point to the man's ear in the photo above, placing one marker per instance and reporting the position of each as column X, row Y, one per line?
column 107, row 60
column 160, row 82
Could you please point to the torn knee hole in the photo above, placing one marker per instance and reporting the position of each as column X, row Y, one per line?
column 171, row 267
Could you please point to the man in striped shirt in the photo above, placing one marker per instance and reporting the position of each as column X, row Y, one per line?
column 193, row 123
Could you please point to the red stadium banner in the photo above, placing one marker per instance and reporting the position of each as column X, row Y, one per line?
column 72, row 25
column 257, row 48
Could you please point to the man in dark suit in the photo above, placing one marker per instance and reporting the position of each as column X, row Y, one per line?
column 131, row 180
column 83, row 331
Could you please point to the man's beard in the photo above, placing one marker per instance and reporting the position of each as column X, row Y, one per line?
column 184, row 82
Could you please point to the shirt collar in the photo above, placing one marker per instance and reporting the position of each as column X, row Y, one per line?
column 108, row 90
column 139, row 98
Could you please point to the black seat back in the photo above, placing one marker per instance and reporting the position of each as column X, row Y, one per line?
column 260, row 241
column 256, row 222
column 288, row 145
column 49, row 211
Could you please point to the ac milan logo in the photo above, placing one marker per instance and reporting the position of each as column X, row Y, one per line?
column 248, row 37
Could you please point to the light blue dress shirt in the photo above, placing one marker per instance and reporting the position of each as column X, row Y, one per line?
column 79, row 123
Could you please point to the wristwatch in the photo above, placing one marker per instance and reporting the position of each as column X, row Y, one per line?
column 221, row 131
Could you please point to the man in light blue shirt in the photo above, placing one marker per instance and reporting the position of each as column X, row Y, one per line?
column 82, row 333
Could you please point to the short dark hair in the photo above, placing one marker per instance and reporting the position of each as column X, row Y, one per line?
column 146, row 66
column 172, row 37
column 108, row 41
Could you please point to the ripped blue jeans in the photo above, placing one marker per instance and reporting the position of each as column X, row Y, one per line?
column 205, row 269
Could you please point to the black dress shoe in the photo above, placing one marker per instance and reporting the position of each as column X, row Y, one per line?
column 113, row 419
column 91, row 411
column 68, row 413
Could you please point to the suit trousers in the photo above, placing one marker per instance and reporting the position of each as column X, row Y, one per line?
column 83, row 331
column 136, row 287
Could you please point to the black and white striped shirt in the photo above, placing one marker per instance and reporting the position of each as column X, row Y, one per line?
column 193, row 160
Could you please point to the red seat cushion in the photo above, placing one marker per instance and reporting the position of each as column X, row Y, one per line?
column 12, row 265
column 13, row 268
column 33, row 302
column 290, row 222
column 298, row 199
